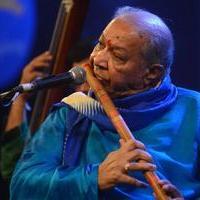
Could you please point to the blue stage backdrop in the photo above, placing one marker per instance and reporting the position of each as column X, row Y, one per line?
column 183, row 17
column 26, row 28
column 17, row 22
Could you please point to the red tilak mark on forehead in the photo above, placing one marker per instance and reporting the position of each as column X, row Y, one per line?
column 109, row 43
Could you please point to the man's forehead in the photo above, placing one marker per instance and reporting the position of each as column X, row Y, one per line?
column 119, row 30
column 119, row 36
column 120, row 40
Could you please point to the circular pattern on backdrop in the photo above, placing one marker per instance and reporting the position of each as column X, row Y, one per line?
column 17, row 22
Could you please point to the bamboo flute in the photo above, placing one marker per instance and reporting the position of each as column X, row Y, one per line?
column 120, row 125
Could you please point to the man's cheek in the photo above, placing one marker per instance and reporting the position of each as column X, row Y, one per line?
column 92, row 56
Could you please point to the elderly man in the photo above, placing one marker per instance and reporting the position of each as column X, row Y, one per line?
column 77, row 153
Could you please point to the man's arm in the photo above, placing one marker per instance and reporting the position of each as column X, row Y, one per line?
column 15, row 133
column 30, row 72
column 16, row 114
column 40, row 173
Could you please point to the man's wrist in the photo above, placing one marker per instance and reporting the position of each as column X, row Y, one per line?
column 21, row 99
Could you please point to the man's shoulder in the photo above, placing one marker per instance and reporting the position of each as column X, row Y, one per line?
column 62, row 111
column 188, row 92
column 72, row 105
column 59, row 107
column 189, row 95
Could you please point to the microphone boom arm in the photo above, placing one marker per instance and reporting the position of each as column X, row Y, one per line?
column 76, row 76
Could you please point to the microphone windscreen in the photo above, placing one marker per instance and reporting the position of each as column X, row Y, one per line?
column 79, row 74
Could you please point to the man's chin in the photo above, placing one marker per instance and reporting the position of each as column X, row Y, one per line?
column 116, row 93
column 119, row 93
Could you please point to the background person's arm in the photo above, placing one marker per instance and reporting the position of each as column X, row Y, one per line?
column 30, row 72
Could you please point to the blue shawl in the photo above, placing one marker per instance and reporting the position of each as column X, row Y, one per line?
column 140, row 109
column 162, row 118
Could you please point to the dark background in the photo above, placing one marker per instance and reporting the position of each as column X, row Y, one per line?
column 183, row 18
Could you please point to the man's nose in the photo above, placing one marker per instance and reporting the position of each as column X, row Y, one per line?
column 101, row 57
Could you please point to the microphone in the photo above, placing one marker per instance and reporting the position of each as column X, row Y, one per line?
column 75, row 76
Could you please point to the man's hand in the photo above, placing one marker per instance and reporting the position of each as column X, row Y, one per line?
column 170, row 190
column 34, row 69
column 30, row 72
column 114, row 169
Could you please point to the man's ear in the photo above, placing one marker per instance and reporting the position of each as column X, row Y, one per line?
column 154, row 74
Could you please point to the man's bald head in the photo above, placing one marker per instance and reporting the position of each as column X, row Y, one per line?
column 159, row 45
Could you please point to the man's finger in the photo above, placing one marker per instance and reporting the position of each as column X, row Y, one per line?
column 141, row 166
column 132, row 181
column 139, row 154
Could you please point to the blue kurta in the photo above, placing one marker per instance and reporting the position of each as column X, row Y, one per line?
column 61, row 161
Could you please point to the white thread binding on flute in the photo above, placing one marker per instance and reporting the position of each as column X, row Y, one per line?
column 83, row 104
